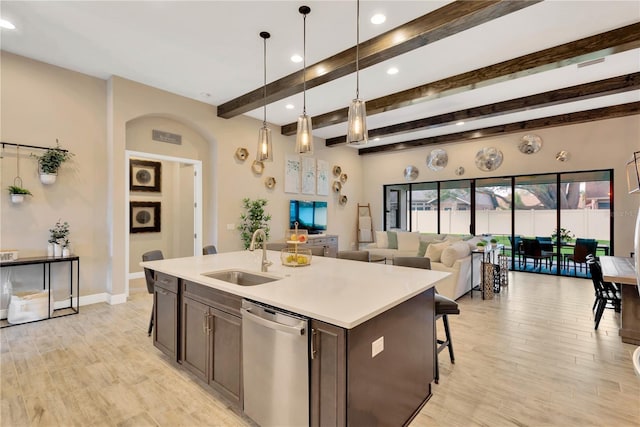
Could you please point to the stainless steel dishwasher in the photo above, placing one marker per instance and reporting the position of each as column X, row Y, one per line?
column 275, row 363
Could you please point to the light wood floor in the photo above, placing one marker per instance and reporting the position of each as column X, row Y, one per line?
column 529, row 357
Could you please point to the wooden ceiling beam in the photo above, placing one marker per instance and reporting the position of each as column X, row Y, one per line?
column 586, row 49
column 437, row 25
column 616, row 111
column 581, row 92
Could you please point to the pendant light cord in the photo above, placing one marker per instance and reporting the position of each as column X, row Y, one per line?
column 264, row 89
column 304, row 64
column 358, row 49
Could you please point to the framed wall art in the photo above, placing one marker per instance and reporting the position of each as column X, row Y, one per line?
column 144, row 217
column 144, row 175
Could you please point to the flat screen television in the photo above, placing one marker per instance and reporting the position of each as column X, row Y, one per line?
column 311, row 215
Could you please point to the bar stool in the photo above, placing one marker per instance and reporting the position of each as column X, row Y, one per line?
column 444, row 307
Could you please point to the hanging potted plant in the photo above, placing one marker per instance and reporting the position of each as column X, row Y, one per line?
column 18, row 193
column 50, row 161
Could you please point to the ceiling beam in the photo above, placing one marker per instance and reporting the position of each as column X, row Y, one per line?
column 581, row 92
column 437, row 25
column 586, row 49
column 616, row 111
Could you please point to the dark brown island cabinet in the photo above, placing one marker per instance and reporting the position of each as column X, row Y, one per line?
column 348, row 385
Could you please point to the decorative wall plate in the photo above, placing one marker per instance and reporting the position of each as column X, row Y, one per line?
column 337, row 186
column 257, row 167
column 437, row 159
column 460, row 171
column 530, row 144
column 343, row 178
column 337, row 171
column 242, row 154
column 343, row 200
column 411, row 173
column 270, row 182
column 488, row 159
column 562, row 156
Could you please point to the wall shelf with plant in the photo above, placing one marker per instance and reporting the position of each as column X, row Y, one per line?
column 49, row 163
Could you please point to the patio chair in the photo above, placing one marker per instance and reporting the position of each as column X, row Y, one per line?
column 531, row 249
column 582, row 248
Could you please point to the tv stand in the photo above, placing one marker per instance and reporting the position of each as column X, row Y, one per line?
column 327, row 241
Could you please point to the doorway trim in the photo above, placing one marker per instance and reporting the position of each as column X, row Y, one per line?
column 197, row 198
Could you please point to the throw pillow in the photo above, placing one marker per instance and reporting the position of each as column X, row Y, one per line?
column 408, row 241
column 454, row 252
column 392, row 237
column 453, row 238
column 434, row 251
column 422, row 248
column 381, row 240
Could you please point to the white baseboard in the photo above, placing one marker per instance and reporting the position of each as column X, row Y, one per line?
column 138, row 275
column 117, row 299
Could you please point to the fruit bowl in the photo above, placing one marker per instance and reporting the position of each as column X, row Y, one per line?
column 291, row 257
column 297, row 236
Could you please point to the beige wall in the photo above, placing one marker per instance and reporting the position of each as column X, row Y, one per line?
column 602, row 144
column 40, row 103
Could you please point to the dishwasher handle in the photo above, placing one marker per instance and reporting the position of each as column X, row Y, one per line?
column 298, row 330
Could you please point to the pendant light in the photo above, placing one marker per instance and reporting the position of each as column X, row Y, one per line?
column 265, row 151
column 304, row 138
column 357, row 123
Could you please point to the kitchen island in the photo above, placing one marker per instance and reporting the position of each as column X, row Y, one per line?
column 372, row 331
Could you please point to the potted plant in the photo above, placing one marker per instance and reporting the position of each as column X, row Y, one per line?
column 18, row 193
column 253, row 219
column 493, row 242
column 58, row 235
column 50, row 162
column 481, row 244
column 564, row 235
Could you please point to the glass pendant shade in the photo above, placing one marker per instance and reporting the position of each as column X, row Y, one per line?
column 304, row 138
column 357, row 123
column 265, row 152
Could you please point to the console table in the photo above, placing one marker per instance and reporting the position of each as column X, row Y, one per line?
column 64, row 307
column 489, row 256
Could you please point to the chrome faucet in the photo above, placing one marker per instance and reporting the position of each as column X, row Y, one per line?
column 264, row 266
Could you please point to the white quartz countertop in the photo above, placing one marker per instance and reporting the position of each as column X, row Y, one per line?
column 341, row 292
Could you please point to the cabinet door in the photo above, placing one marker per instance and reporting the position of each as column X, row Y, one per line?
column 165, row 314
column 328, row 375
column 195, row 338
column 226, row 362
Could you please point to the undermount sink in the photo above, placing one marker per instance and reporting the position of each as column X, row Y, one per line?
column 240, row 277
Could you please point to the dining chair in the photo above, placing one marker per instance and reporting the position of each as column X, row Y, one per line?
column 354, row 255
column 150, row 277
column 209, row 250
column 443, row 308
column 607, row 295
column 531, row 249
column 581, row 250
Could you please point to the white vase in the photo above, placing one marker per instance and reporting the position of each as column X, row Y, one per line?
column 57, row 249
column 50, row 249
column 17, row 198
column 66, row 252
column 48, row 178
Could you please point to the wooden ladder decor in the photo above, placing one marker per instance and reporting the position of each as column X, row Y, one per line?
column 365, row 226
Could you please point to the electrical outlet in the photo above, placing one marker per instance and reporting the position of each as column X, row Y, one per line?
column 377, row 346
column 231, row 226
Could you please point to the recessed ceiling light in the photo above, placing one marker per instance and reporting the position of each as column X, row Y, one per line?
column 6, row 24
column 289, row 106
column 296, row 58
column 459, row 123
column 392, row 71
column 378, row 18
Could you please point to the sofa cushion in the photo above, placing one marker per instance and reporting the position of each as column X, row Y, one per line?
column 454, row 252
column 422, row 248
column 434, row 251
column 381, row 240
column 408, row 241
column 392, row 238
column 453, row 238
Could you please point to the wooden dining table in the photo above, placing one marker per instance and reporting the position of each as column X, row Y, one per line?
column 621, row 270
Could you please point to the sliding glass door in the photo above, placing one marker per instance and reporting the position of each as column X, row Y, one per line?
column 455, row 207
column 424, row 207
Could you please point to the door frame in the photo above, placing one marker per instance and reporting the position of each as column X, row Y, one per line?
column 197, row 199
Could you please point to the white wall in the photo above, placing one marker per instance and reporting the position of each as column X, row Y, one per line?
column 601, row 144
